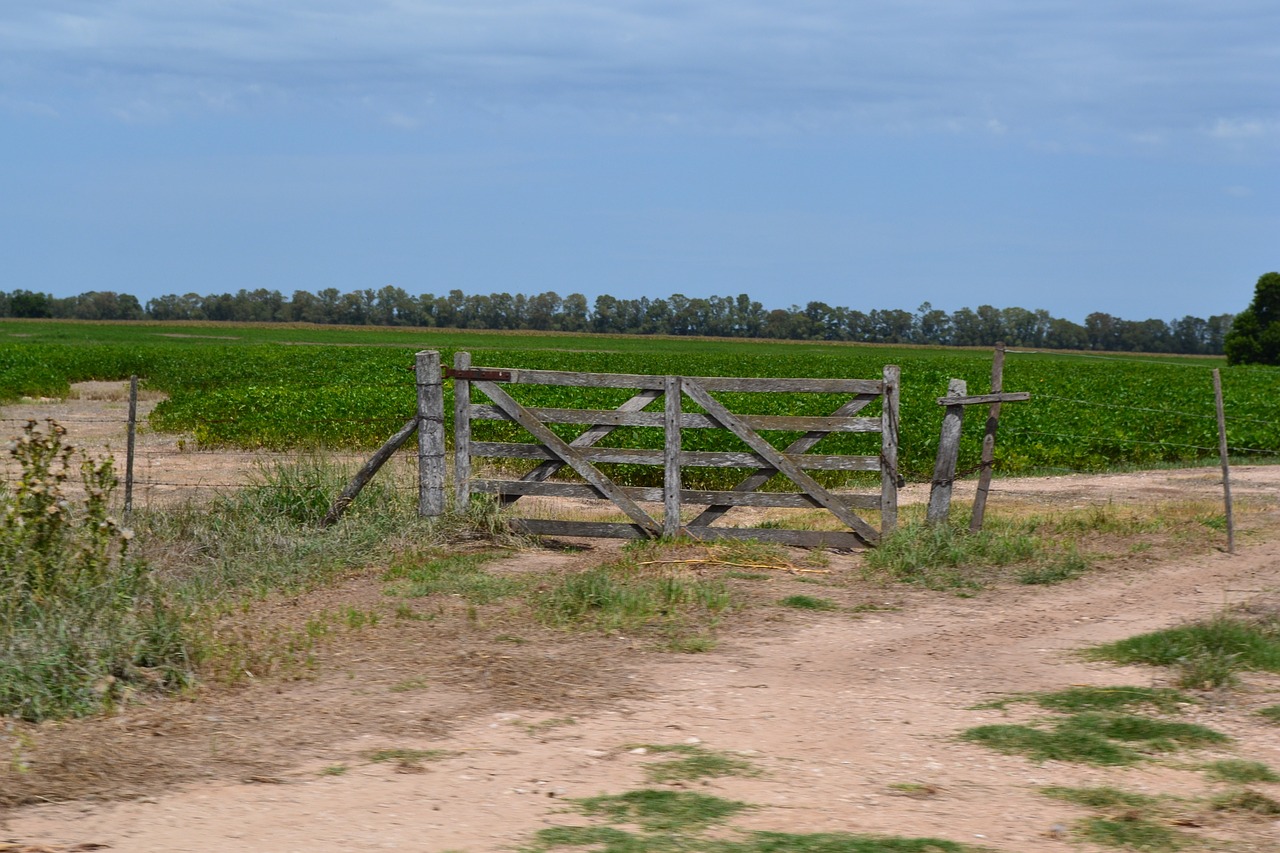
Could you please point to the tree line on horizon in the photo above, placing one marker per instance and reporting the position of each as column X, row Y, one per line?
column 715, row 316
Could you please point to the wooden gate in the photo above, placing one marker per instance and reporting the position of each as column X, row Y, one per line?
column 583, row 454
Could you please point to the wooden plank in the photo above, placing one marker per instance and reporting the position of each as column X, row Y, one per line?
column 800, row 445
column 688, row 420
column 587, row 439
column 775, row 458
column 836, row 539
column 944, row 469
column 654, row 494
column 688, row 458
column 461, row 433
column 366, row 472
column 768, row 385
column 984, row 399
column 570, row 456
column 671, row 458
column 889, row 477
column 487, row 374
column 988, row 458
column 430, row 385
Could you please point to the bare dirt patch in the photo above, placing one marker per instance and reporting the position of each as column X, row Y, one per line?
column 851, row 714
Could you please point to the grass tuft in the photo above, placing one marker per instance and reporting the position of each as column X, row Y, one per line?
column 1207, row 654
column 808, row 602
column 948, row 556
column 1240, row 771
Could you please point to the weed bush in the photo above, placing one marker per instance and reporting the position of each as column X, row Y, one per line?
column 83, row 623
column 948, row 556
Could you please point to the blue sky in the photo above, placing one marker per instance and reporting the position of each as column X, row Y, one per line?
column 1075, row 156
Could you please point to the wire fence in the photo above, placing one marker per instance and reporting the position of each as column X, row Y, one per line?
column 175, row 465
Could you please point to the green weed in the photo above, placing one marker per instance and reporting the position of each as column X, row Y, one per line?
column 696, row 763
column 621, row 596
column 1240, row 771
column 462, row 575
column 1131, row 832
column 1078, row 699
column 1100, row 798
column 1093, row 737
column 808, row 602
column 1271, row 714
column 661, row 810
column 83, row 623
column 948, row 556
column 1207, row 654
column 1246, row 802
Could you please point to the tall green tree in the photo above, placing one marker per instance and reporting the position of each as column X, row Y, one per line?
column 1255, row 334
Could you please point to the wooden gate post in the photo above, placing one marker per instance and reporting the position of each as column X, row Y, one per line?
column 988, row 443
column 1226, row 464
column 889, row 451
column 461, row 434
column 671, row 457
column 430, row 382
column 944, row 470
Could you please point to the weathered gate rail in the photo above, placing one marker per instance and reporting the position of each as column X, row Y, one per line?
column 582, row 454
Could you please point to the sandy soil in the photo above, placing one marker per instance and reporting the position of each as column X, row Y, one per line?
column 835, row 708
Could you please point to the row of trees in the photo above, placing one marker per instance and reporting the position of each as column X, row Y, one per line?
column 721, row 316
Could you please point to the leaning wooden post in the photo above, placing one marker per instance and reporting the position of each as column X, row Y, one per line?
column 889, row 451
column 366, row 472
column 944, row 470
column 988, row 442
column 430, row 434
column 461, row 434
column 129, row 445
column 671, row 457
column 1222, row 453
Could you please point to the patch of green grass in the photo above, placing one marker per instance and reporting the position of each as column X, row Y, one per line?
column 1078, row 699
column 658, row 810
column 1241, row 771
column 697, row 763
column 463, row 575
column 1150, row 734
column 1246, row 802
column 334, row 770
column 1271, row 714
column 839, row 842
column 408, row 757
column 1100, row 798
column 1055, row 568
column 1052, row 745
column 1132, row 833
column 738, row 574
column 408, row 685
column 678, row 821
column 808, row 602
column 690, row 644
column 623, row 596
column 1208, row 654
column 1093, row 738
column 948, row 556
column 915, row 790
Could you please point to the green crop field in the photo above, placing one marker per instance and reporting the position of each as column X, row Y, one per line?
column 285, row 386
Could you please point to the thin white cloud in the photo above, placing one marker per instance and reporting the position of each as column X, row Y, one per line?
column 1128, row 68
column 1232, row 130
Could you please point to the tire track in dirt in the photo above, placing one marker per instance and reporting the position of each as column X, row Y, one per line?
column 835, row 710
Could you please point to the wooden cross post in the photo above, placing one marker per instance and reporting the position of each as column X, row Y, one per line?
column 944, row 472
